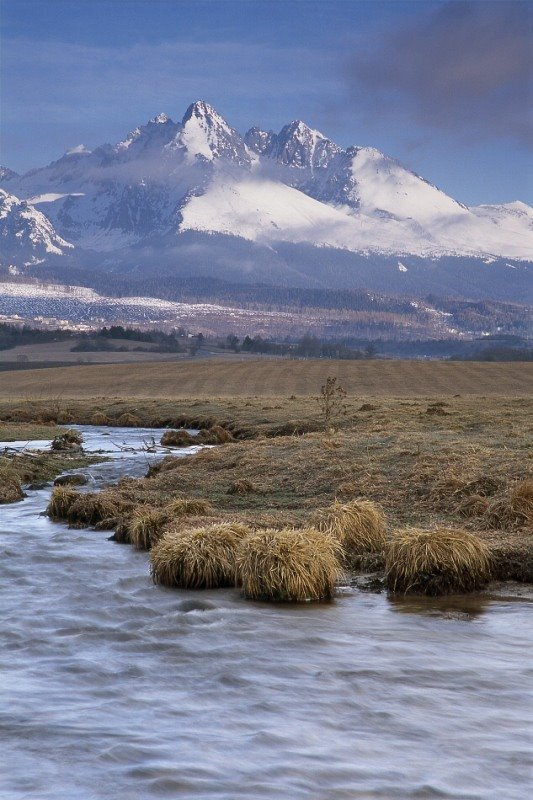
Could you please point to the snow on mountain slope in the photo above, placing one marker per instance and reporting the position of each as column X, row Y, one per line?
column 265, row 211
column 295, row 186
column 260, row 209
column 26, row 235
column 383, row 185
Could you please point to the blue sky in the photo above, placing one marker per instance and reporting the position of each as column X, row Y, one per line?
column 445, row 87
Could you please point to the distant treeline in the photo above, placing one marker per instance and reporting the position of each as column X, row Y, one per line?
column 13, row 336
column 119, row 338
column 104, row 340
column 497, row 354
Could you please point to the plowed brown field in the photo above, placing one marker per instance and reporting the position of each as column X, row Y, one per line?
column 271, row 377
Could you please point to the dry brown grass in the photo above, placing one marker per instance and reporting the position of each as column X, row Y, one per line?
column 198, row 558
column 216, row 434
column 243, row 486
column 69, row 440
column 473, row 506
column 288, row 565
column 438, row 561
column 186, row 507
column 128, row 420
column 213, row 378
column 359, row 525
column 61, row 500
column 96, row 508
column 515, row 510
column 180, row 438
column 98, row 418
column 10, row 486
column 146, row 526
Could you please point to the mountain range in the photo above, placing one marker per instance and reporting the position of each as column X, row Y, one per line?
column 195, row 198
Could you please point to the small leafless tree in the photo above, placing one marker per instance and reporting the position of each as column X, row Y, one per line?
column 331, row 402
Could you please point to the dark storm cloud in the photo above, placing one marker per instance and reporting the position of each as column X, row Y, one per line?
column 467, row 67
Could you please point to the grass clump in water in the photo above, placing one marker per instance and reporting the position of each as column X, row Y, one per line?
column 146, row 526
column 95, row 508
column 69, row 441
column 291, row 565
column 198, row 558
column 61, row 501
column 435, row 562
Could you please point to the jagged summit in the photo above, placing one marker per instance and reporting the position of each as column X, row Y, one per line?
column 205, row 133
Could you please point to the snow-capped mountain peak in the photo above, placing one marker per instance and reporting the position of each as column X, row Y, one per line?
column 205, row 133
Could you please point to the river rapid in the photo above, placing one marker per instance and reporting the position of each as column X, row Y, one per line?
column 111, row 687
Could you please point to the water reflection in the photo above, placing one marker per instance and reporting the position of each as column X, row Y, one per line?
column 468, row 606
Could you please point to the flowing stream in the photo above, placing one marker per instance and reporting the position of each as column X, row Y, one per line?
column 111, row 687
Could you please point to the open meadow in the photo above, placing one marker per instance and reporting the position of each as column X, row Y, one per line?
column 431, row 443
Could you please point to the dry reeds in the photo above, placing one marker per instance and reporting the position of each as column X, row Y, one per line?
column 437, row 561
column 61, row 500
column 515, row 510
column 288, row 565
column 10, row 486
column 198, row 558
column 359, row 525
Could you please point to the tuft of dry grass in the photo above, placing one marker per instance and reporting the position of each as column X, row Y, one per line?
column 95, row 508
column 181, row 438
column 290, row 565
column 216, row 434
column 99, row 418
column 65, row 418
column 198, row 558
column 189, row 508
column 10, row 486
column 61, row 500
column 128, row 420
column 474, row 505
column 359, row 525
column 437, row 561
column 146, row 526
column 243, row 486
column 515, row 510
